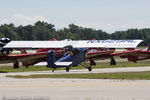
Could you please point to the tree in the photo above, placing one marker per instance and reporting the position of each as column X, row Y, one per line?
column 43, row 31
column 1, row 35
column 9, row 31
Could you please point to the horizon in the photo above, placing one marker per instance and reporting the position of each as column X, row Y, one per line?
column 77, row 25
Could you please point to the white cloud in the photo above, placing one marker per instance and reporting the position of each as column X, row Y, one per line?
column 139, row 24
column 112, row 27
column 104, row 27
column 3, row 21
column 20, row 19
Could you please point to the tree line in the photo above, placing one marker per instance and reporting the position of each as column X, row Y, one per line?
column 45, row 31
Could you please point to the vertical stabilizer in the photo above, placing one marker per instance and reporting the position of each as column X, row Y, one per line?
column 148, row 49
column 51, row 59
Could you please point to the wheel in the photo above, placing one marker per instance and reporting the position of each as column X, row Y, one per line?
column 112, row 61
column 26, row 66
column 53, row 70
column 90, row 68
column 16, row 65
column 67, row 69
column 134, row 61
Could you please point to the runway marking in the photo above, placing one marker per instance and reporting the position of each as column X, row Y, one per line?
column 69, row 85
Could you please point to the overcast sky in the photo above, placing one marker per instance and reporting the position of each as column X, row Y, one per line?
column 108, row 15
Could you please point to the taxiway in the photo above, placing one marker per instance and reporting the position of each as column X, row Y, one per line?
column 74, row 89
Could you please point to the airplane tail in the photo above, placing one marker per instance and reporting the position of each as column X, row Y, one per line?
column 53, row 39
column 23, row 51
column 51, row 59
column 148, row 49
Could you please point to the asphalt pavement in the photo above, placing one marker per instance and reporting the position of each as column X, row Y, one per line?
column 74, row 89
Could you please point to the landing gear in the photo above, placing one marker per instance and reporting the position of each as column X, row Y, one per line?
column 92, row 62
column 112, row 61
column 86, row 66
column 67, row 69
column 90, row 68
column 26, row 66
column 53, row 70
column 134, row 61
column 16, row 64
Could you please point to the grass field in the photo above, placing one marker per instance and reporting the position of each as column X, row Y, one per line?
column 117, row 75
column 103, row 64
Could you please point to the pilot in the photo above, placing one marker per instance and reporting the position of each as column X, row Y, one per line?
column 74, row 51
column 71, row 53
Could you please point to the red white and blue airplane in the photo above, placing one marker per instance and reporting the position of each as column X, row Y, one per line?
column 76, row 51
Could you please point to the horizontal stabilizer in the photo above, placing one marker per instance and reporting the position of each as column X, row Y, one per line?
column 41, row 63
column 75, row 44
column 63, row 63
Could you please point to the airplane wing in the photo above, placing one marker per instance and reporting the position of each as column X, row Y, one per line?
column 126, row 53
column 75, row 44
column 100, row 54
column 144, row 53
column 23, row 57
column 31, row 57
column 28, row 57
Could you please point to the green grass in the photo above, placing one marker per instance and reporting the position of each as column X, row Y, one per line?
column 141, row 47
column 117, row 75
column 22, row 69
column 15, row 53
column 99, row 65
column 122, row 64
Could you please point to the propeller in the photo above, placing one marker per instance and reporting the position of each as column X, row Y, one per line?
column 3, row 42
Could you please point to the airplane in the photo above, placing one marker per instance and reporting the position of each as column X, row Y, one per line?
column 76, row 51
column 92, row 53
column 26, row 58
column 134, row 55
